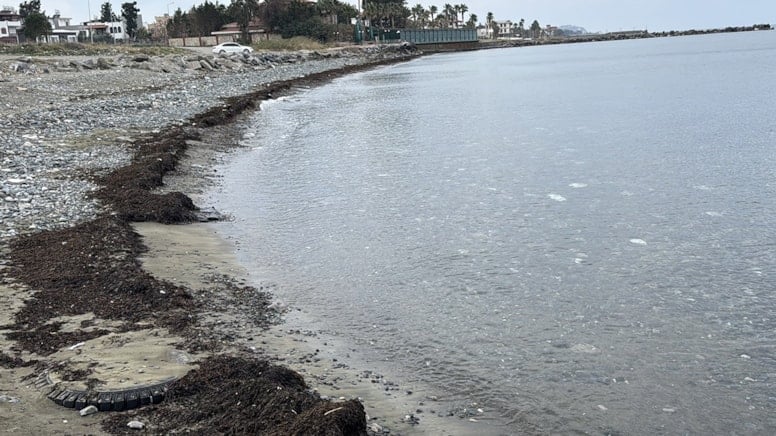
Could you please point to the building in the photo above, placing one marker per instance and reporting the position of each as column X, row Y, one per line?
column 505, row 28
column 63, row 31
column 101, row 31
column 10, row 23
column 256, row 30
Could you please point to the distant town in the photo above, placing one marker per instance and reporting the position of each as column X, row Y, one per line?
column 327, row 21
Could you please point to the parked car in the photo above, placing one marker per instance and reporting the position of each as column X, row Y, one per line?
column 231, row 47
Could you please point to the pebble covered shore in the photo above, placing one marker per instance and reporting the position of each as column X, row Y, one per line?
column 64, row 119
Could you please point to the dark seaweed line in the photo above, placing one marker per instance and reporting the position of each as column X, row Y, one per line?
column 127, row 191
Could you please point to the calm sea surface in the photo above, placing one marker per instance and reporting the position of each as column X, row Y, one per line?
column 579, row 238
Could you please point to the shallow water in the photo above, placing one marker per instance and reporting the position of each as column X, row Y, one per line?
column 577, row 238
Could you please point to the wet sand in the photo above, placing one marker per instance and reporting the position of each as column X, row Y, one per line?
column 188, row 254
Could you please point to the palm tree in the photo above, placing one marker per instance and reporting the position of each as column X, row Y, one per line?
column 432, row 10
column 463, row 9
column 373, row 12
column 521, row 27
column 472, row 23
column 450, row 14
column 417, row 13
column 489, row 20
column 424, row 17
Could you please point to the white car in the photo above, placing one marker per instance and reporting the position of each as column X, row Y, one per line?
column 231, row 47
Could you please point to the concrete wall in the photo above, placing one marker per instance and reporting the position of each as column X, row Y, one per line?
column 209, row 41
column 201, row 41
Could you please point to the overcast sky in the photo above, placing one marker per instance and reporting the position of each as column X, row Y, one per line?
column 594, row 15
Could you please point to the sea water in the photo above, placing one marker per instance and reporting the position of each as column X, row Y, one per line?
column 577, row 238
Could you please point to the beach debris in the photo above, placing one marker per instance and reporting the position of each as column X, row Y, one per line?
column 746, row 356
column 88, row 410
column 411, row 419
column 638, row 241
column 375, row 428
column 332, row 411
column 8, row 399
column 669, row 409
column 602, row 408
column 78, row 345
column 135, row 425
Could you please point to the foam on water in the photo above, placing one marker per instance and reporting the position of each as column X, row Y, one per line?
column 556, row 197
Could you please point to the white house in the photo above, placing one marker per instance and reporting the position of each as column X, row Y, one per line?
column 10, row 22
column 504, row 28
column 115, row 29
column 62, row 31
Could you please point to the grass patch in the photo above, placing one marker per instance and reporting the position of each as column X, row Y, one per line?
column 78, row 49
column 291, row 44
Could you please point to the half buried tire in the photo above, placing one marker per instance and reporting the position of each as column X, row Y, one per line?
column 106, row 401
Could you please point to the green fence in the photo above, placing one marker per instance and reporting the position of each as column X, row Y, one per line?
column 437, row 36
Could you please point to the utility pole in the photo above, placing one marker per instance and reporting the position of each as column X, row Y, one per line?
column 166, row 22
column 91, row 32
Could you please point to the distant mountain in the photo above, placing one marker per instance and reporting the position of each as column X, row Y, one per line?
column 570, row 30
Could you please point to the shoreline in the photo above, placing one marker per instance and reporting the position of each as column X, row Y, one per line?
column 331, row 367
column 131, row 202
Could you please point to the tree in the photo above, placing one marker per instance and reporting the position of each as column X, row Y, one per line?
column 178, row 25
column 143, row 34
column 418, row 15
column 489, row 20
column 536, row 29
column 29, row 7
column 244, row 12
column 106, row 13
column 463, row 9
column 36, row 24
column 432, row 10
column 472, row 22
column 343, row 11
column 450, row 14
column 346, row 12
column 129, row 13
column 206, row 18
column 387, row 13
